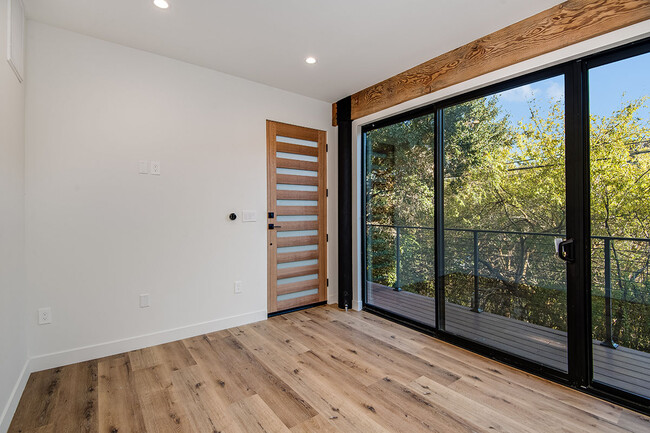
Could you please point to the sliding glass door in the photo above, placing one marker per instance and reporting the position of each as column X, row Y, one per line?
column 619, row 93
column 504, row 206
column 515, row 220
column 400, row 203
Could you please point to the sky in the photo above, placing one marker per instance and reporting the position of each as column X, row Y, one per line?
column 608, row 83
column 609, row 86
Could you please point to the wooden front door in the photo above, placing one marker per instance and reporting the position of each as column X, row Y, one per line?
column 297, row 216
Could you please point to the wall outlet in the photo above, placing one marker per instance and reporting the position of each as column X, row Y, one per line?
column 155, row 168
column 237, row 286
column 44, row 316
column 144, row 300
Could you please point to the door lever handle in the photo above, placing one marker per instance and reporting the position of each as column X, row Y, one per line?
column 273, row 226
column 565, row 251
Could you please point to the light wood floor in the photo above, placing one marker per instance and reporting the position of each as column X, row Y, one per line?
column 319, row 370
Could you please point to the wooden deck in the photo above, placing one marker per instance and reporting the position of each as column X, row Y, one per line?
column 622, row 367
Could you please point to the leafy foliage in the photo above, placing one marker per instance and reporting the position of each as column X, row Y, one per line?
column 508, row 182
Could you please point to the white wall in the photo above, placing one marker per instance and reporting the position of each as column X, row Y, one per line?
column 13, row 341
column 99, row 234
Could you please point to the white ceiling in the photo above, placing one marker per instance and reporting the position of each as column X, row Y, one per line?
column 357, row 42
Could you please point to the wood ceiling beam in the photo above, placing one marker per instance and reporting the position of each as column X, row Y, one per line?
column 560, row 26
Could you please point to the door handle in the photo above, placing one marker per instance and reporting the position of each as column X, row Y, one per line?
column 273, row 226
column 565, row 251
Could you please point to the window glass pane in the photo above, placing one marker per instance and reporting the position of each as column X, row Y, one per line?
column 620, row 223
column 400, row 205
column 504, row 206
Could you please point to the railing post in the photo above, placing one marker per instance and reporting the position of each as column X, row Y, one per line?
column 398, row 283
column 609, row 342
column 475, row 300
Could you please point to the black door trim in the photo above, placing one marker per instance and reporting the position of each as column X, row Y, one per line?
column 578, row 219
column 580, row 374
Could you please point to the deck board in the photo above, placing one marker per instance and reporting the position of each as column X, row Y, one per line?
column 622, row 367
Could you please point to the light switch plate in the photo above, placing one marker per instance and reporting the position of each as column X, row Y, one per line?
column 249, row 216
column 155, row 168
column 143, row 167
column 144, row 300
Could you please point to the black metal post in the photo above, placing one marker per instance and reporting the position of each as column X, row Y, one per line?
column 475, row 301
column 398, row 283
column 609, row 342
column 344, row 110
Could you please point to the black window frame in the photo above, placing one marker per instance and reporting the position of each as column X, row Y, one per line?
column 613, row 55
column 575, row 72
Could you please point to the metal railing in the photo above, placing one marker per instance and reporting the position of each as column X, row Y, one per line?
column 475, row 302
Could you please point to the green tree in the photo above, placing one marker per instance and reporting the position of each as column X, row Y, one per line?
column 511, row 178
column 620, row 183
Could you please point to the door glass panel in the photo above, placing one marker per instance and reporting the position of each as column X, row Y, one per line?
column 400, row 247
column 620, row 223
column 504, row 206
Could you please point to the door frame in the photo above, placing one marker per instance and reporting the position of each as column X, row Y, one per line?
column 599, row 59
column 568, row 377
column 274, row 129
column 579, row 373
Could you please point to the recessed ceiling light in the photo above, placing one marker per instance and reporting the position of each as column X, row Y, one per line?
column 162, row 4
column 310, row 60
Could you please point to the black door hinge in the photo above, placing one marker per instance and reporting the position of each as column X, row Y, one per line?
column 328, row 282
column 327, row 147
column 327, row 192
column 327, row 237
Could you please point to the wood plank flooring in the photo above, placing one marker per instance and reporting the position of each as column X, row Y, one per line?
column 318, row 370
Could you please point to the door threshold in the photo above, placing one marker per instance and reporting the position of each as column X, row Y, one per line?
column 291, row 310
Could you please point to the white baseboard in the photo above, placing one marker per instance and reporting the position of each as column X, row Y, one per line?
column 81, row 354
column 14, row 398
column 87, row 353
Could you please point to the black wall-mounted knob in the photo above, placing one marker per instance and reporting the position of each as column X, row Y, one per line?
column 232, row 216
